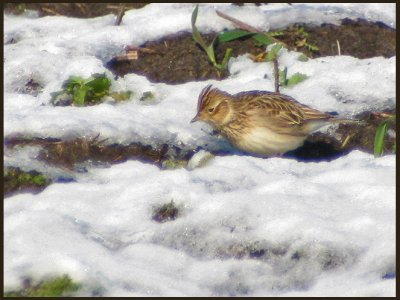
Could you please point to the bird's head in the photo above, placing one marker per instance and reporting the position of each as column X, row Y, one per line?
column 213, row 107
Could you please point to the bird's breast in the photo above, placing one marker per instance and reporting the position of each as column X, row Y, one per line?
column 264, row 141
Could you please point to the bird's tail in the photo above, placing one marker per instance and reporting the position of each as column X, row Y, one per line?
column 346, row 121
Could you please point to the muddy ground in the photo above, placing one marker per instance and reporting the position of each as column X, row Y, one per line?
column 177, row 58
column 75, row 10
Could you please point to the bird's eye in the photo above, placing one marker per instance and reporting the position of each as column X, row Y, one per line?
column 210, row 110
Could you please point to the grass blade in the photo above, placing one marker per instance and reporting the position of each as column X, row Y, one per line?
column 263, row 39
column 211, row 52
column 194, row 15
column 231, row 35
column 379, row 138
column 99, row 83
column 273, row 52
column 195, row 32
column 227, row 56
column 80, row 95
column 296, row 78
column 283, row 77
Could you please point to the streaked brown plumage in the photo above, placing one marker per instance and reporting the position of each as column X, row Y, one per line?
column 260, row 122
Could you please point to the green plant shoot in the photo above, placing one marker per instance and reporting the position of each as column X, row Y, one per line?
column 79, row 91
column 273, row 53
column 263, row 39
column 231, row 35
column 380, row 138
column 210, row 48
column 87, row 90
column 293, row 80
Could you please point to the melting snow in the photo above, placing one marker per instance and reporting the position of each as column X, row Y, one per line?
column 247, row 226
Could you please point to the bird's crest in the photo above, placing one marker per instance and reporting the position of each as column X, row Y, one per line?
column 207, row 95
column 203, row 97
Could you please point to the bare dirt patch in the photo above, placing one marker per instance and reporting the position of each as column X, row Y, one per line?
column 177, row 58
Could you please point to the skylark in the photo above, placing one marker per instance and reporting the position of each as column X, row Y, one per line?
column 261, row 122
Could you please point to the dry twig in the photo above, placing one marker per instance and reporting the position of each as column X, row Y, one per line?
column 239, row 24
column 276, row 75
column 338, row 46
column 50, row 11
column 120, row 15
column 83, row 8
column 140, row 49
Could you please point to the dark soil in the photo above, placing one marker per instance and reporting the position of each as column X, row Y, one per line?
column 360, row 38
column 32, row 88
column 324, row 147
column 166, row 212
column 76, row 10
column 177, row 58
column 72, row 153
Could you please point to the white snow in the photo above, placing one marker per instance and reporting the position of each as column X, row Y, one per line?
column 327, row 229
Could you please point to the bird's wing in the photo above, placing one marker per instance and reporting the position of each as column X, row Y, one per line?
column 282, row 113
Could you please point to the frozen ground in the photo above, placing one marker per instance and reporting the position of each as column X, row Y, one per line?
column 317, row 229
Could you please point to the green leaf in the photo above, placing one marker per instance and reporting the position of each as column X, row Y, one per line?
column 99, row 84
column 273, row 53
column 199, row 39
column 25, row 177
column 210, row 52
column 228, row 54
column 39, row 180
column 195, row 32
column 231, row 35
column 263, row 39
column 75, row 79
column 312, row 47
column 296, row 78
column 194, row 15
column 80, row 95
column 283, row 77
column 275, row 33
column 302, row 57
column 80, row 91
column 301, row 32
column 379, row 138
column 71, row 82
column 121, row 96
column 60, row 286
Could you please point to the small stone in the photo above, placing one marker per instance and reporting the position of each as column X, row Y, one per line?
column 200, row 159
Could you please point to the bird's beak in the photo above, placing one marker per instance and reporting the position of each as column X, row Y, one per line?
column 195, row 119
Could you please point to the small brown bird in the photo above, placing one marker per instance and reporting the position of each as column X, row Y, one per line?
column 261, row 122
